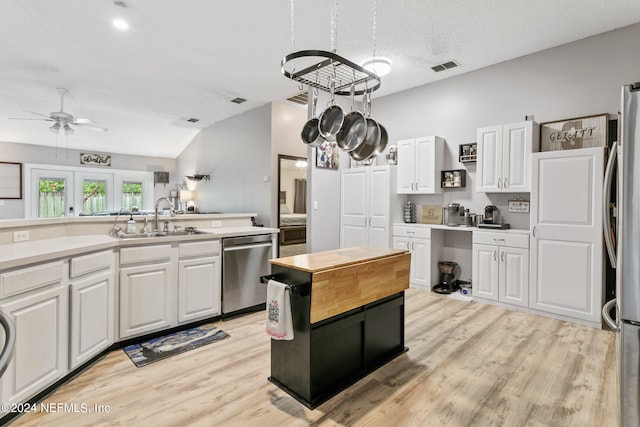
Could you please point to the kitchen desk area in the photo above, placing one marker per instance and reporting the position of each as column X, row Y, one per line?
column 348, row 319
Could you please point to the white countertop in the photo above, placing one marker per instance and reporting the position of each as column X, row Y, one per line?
column 34, row 251
column 463, row 228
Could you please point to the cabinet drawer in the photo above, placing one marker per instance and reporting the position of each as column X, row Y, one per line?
column 412, row 231
column 90, row 263
column 26, row 279
column 501, row 239
column 207, row 247
column 145, row 253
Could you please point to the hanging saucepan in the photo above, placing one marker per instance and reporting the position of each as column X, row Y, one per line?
column 332, row 118
column 372, row 137
column 354, row 128
column 384, row 139
column 310, row 133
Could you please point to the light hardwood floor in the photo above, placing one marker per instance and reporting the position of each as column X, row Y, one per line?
column 468, row 364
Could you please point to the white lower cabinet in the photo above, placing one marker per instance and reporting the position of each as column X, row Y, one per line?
column 147, row 290
column 41, row 317
column 198, row 281
column 500, row 270
column 418, row 241
column 92, row 306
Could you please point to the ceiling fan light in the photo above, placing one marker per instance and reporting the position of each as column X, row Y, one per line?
column 55, row 127
column 68, row 130
column 379, row 65
column 120, row 24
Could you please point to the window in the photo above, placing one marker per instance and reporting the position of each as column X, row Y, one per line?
column 57, row 190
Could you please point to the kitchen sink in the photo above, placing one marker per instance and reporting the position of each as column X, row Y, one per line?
column 159, row 234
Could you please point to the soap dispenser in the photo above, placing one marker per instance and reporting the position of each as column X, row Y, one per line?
column 131, row 225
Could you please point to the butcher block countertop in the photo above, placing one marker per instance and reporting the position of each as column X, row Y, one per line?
column 344, row 279
column 319, row 261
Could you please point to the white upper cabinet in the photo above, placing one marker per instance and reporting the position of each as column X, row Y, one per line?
column 504, row 157
column 419, row 165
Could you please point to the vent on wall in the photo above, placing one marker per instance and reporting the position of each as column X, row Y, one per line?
column 238, row 100
column 445, row 66
column 302, row 98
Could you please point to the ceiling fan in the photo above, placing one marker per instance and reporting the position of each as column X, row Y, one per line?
column 61, row 120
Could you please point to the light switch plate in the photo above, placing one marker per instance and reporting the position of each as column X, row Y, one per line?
column 519, row 206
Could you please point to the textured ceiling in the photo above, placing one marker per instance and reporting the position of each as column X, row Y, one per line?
column 189, row 58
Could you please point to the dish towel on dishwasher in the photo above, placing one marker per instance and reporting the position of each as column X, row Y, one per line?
column 279, row 322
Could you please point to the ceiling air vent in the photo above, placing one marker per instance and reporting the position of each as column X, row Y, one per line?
column 302, row 98
column 193, row 120
column 238, row 100
column 444, row 66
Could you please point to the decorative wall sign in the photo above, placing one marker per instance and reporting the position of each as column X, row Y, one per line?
column 570, row 134
column 327, row 155
column 10, row 180
column 95, row 159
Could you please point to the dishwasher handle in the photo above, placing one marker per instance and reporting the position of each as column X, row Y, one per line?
column 250, row 246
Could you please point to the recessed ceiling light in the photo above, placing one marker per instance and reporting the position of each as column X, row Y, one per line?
column 120, row 24
column 378, row 65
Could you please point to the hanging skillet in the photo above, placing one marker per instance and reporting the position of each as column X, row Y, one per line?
column 354, row 128
column 310, row 133
column 332, row 118
column 372, row 137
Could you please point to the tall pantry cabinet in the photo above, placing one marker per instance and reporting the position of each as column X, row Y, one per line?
column 369, row 205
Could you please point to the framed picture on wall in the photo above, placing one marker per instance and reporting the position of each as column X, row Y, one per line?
column 10, row 180
column 328, row 155
column 571, row 134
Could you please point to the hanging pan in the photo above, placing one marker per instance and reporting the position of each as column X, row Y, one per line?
column 354, row 128
column 310, row 133
column 372, row 138
column 332, row 118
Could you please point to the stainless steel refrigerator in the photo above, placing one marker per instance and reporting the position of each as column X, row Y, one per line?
column 624, row 253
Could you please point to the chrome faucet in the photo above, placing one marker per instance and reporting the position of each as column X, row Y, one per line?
column 118, row 231
column 155, row 216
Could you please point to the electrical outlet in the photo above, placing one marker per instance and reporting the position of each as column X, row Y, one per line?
column 216, row 223
column 20, row 236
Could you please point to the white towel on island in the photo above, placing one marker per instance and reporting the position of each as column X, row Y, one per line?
column 279, row 322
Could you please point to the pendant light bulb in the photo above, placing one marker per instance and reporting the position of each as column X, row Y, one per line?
column 68, row 130
column 55, row 128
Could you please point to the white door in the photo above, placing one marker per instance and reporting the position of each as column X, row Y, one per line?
column 485, row 271
column 40, row 354
column 378, row 213
column 198, row 288
column 91, row 317
column 425, row 165
column 516, row 157
column 566, row 220
column 354, row 207
column 489, row 164
column 145, row 299
column 406, row 166
column 514, row 276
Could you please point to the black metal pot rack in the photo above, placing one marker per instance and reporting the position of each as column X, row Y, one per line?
column 330, row 66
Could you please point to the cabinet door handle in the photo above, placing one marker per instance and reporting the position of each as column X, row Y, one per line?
column 408, row 246
column 533, row 232
column 499, row 182
column 495, row 255
column 411, row 233
column 413, row 246
column 498, row 240
column 506, row 182
column 502, row 256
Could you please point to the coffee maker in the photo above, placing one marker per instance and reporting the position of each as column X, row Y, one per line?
column 491, row 215
column 448, row 282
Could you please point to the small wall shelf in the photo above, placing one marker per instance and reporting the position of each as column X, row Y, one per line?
column 468, row 152
column 456, row 178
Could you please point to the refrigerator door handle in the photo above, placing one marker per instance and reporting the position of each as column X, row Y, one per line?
column 606, row 310
column 606, row 214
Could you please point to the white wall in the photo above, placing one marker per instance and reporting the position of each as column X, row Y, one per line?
column 236, row 152
column 577, row 79
column 27, row 153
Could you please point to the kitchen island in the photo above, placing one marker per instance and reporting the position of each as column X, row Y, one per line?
column 348, row 319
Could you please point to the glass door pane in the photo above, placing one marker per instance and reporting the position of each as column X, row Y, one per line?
column 132, row 196
column 51, row 197
column 94, row 194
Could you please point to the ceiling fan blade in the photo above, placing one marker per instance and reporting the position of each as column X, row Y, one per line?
column 23, row 118
column 91, row 127
column 83, row 120
column 37, row 114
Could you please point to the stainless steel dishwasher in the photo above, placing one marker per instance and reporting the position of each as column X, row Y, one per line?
column 244, row 260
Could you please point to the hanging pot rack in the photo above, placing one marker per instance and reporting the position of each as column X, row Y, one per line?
column 331, row 66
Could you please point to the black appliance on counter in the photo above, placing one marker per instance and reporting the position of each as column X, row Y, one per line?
column 491, row 215
column 448, row 282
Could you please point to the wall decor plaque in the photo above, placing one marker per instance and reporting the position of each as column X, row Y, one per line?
column 571, row 134
column 95, row 159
